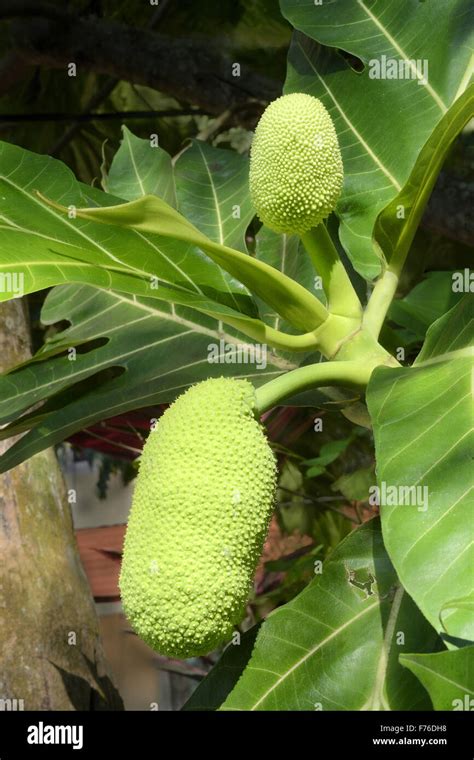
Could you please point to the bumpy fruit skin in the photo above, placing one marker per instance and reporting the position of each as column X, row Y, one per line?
column 201, row 508
column 296, row 170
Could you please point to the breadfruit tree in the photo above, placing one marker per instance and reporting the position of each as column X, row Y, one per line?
column 309, row 253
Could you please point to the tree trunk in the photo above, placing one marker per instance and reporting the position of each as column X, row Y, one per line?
column 51, row 657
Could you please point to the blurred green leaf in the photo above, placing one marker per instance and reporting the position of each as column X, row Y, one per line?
column 355, row 485
column 448, row 677
column 428, row 301
column 328, row 453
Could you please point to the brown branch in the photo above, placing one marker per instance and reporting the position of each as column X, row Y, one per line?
column 192, row 71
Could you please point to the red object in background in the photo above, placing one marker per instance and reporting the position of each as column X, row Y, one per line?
column 100, row 550
column 121, row 437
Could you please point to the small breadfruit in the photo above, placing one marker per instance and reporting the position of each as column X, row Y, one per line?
column 200, row 513
column 296, row 170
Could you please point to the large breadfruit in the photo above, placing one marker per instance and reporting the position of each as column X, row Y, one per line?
column 200, row 513
column 296, row 171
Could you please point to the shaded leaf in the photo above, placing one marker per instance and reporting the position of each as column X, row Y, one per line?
column 355, row 485
column 210, row 694
column 394, row 231
column 448, row 677
column 428, row 301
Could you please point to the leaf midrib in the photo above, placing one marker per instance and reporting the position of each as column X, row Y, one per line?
column 312, row 651
column 376, row 21
column 349, row 123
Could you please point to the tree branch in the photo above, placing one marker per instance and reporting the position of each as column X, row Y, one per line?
column 192, row 71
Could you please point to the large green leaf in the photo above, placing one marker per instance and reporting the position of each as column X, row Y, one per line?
column 336, row 645
column 145, row 248
column 158, row 348
column 382, row 124
column 48, row 248
column 140, row 168
column 213, row 193
column 448, row 677
column 422, row 418
column 148, row 353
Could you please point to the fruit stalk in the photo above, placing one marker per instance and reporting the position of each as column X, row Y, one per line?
column 352, row 374
column 342, row 298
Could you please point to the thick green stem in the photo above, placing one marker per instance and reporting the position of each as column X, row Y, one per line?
column 264, row 334
column 352, row 374
column 327, row 338
column 342, row 298
column 379, row 302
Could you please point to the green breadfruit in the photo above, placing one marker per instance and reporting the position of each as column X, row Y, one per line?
column 296, row 170
column 201, row 508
